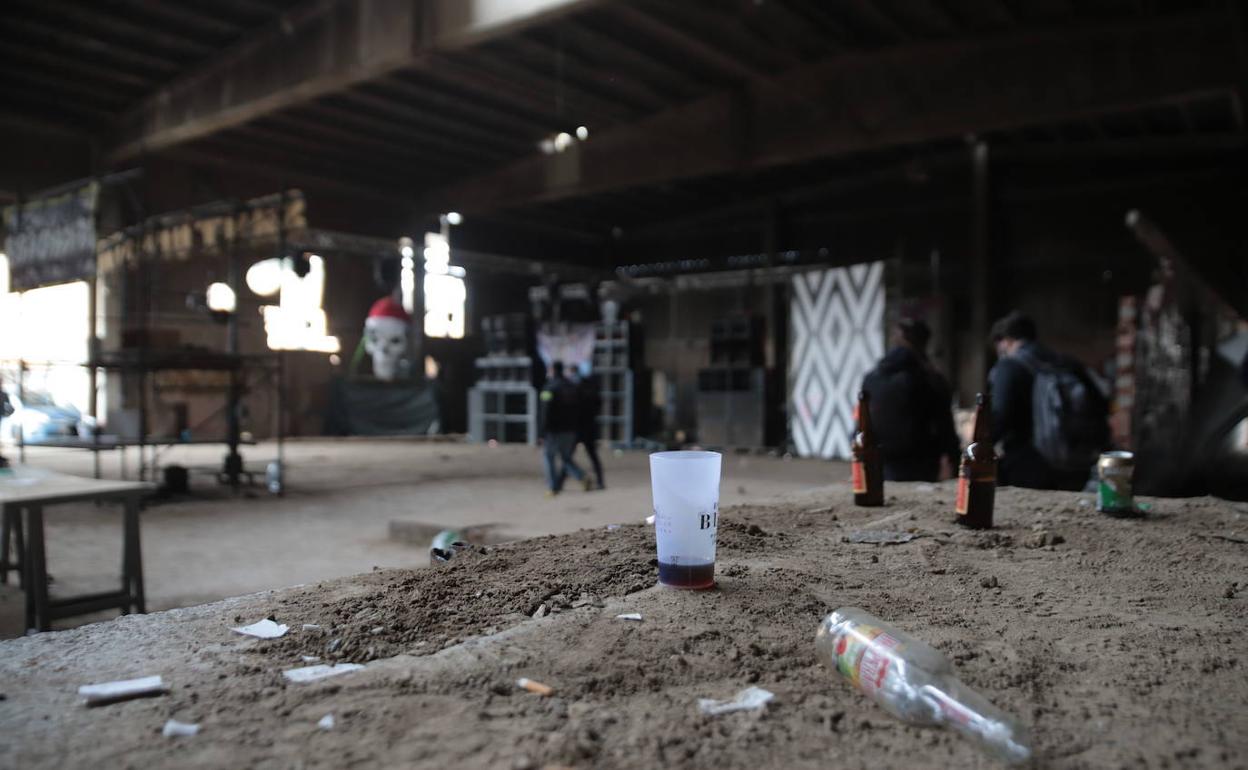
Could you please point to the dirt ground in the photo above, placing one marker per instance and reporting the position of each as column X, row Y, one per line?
column 335, row 519
column 1121, row 642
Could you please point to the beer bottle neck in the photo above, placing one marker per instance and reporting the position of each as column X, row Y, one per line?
column 983, row 424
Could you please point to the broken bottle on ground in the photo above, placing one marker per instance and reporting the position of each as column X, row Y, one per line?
column 914, row 682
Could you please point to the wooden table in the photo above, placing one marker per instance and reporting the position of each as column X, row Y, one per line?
column 24, row 492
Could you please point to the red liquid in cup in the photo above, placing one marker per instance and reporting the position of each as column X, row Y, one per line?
column 687, row 575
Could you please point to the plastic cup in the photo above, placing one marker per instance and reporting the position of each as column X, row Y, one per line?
column 685, row 486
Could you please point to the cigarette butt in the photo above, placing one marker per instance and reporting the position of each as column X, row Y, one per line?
column 537, row 688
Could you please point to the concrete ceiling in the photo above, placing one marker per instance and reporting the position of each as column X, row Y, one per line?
column 443, row 104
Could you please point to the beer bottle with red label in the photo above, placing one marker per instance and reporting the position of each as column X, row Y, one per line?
column 866, row 464
column 977, row 475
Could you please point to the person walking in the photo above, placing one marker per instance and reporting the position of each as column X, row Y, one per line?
column 589, row 406
column 911, row 411
column 559, row 400
column 1049, row 417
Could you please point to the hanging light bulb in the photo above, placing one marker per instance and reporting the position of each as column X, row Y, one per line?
column 220, row 298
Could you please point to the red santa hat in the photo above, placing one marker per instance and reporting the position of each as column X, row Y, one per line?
column 386, row 307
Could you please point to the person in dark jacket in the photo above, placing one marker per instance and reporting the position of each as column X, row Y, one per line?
column 910, row 408
column 6, row 410
column 589, row 406
column 559, row 422
column 1011, row 380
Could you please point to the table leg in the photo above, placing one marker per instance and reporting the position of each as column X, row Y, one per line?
column 37, row 575
column 27, row 578
column 132, row 568
column 19, row 534
column 6, row 526
column 12, row 545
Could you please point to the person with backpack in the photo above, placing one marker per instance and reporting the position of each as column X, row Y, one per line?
column 910, row 408
column 560, row 412
column 1050, row 419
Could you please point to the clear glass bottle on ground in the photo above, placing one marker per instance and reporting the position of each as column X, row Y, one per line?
column 914, row 682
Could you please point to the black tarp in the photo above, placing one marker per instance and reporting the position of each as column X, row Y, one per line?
column 369, row 407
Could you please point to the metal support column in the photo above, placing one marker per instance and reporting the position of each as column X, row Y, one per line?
column 979, row 268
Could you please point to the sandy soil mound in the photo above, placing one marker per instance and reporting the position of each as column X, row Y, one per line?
column 1119, row 641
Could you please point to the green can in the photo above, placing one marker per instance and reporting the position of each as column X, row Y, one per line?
column 444, row 546
column 1114, row 494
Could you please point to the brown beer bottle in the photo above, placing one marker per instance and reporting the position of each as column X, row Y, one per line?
column 866, row 464
column 977, row 474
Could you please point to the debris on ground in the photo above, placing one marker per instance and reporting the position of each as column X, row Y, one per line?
column 126, row 689
column 445, row 545
column 749, row 699
column 879, row 537
column 326, row 723
column 629, row 616
column 537, row 688
column 313, row 673
column 263, row 629
column 175, row 729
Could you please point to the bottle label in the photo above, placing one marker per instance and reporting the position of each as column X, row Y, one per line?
column 862, row 657
column 964, row 494
column 858, row 475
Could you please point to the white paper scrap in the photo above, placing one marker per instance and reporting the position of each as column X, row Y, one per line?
column 309, row 658
column 629, row 616
column 747, row 700
column 265, row 629
column 107, row 692
column 176, row 729
column 327, row 722
column 650, row 519
column 313, row 673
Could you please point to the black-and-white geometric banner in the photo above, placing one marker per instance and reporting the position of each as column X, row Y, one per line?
column 838, row 336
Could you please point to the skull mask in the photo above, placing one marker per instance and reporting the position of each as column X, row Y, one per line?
column 385, row 337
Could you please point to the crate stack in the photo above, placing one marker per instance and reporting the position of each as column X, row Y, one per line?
column 614, row 371
column 732, row 391
column 503, row 405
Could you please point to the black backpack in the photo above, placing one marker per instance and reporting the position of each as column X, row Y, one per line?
column 1069, row 414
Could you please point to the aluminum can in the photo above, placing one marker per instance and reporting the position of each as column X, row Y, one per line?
column 1114, row 491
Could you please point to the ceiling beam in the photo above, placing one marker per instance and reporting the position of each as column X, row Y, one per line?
column 24, row 55
column 208, row 153
column 693, row 46
column 101, row 53
column 869, row 101
column 322, row 47
column 334, row 133
column 461, row 106
column 117, row 25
